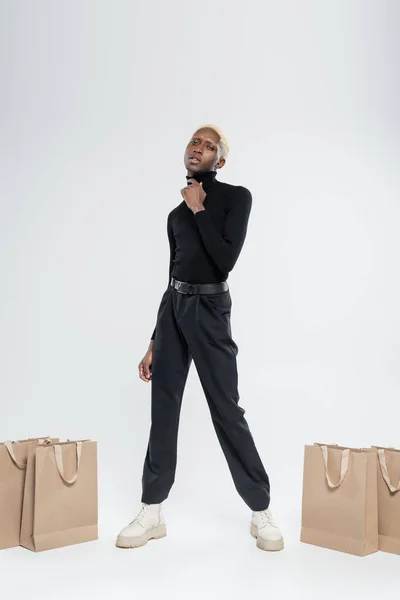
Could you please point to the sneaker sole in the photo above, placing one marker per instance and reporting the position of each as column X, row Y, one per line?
column 139, row 541
column 268, row 545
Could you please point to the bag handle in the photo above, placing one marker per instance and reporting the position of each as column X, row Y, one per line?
column 10, row 450
column 60, row 465
column 9, row 447
column 385, row 472
column 344, row 466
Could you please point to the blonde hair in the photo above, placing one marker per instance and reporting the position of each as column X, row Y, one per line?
column 223, row 144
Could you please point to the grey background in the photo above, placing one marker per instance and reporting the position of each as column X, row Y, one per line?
column 98, row 100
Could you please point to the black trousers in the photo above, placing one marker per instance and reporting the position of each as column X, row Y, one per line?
column 197, row 326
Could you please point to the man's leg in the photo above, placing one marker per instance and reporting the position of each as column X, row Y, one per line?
column 208, row 333
column 170, row 367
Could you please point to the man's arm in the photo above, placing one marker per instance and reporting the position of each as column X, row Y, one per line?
column 172, row 246
column 224, row 250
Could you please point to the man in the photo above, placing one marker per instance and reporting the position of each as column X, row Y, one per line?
column 206, row 232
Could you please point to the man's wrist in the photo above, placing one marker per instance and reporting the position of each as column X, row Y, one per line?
column 197, row 209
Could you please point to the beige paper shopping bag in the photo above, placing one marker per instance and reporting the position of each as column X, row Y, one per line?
column 389, row 499
column 61, row 497
column 340, row 509
column 13, row 456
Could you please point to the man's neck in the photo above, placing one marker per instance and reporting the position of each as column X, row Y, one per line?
column 206, row 177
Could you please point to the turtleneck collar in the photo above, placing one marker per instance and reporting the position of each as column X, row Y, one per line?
column 207, row 178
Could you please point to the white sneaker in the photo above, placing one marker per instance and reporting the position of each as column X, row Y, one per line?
column 264, row 528
column 148, row 525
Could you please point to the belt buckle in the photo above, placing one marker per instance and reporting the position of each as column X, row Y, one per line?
column 180, row 287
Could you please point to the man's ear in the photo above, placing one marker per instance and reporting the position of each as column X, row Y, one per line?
column 220, row 163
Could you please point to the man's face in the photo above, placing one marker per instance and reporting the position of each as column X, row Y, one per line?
column 201, row 153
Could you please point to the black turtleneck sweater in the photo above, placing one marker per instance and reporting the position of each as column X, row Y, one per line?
column 205, row 246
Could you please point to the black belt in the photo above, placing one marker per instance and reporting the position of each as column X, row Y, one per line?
column 183, row 287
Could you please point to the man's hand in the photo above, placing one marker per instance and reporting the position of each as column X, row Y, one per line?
column 145, row 366
column 194, row 195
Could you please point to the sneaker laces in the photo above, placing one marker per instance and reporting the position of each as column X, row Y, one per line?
column 266, row 518
column 141, row 515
